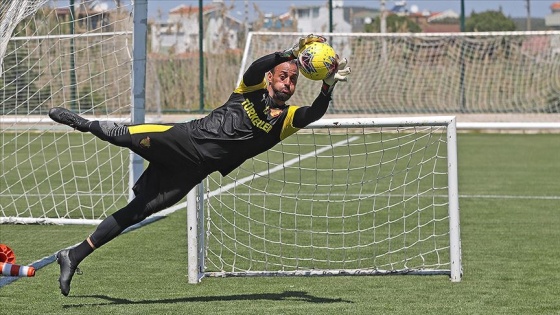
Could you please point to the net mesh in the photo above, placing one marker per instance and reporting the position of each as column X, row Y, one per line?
column 349, row 199
column 11, row 13
column 515, row 72
column 78, row 58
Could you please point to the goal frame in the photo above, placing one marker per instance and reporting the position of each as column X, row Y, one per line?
column 456, row 87
column 196, row 230
column 136, row 49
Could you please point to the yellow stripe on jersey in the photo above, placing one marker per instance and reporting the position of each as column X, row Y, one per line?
column 242, row 88
column 288, row 128
column 148, row 128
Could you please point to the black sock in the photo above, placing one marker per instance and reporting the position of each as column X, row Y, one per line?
column 111, row 132
column 78, row 253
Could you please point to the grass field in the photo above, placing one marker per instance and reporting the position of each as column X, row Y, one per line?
column 509, row 197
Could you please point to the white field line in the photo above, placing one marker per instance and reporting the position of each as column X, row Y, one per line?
column 216, row 192
column 280, row 167
column 505, row 197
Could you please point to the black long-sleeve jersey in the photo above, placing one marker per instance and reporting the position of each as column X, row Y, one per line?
column 250, row 122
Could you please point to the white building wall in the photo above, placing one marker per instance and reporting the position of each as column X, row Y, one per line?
column 552, row 20
column 181, row 33
column 316, row 20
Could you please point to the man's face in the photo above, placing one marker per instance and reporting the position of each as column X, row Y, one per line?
column 282, row 81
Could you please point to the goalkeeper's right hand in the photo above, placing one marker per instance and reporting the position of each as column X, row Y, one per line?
column 302, row 41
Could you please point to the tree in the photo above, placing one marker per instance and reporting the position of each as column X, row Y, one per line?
column 489, row 21
column 395, row 24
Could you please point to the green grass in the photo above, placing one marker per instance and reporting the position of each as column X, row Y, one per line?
column 510, row 238
column 76, row 162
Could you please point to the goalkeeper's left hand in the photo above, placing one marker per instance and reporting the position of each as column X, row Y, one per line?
column 302, row 41
column 341, row 74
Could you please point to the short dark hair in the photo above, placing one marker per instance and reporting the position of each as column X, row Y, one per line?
column 291, row 61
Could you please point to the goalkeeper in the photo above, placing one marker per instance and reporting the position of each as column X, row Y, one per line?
column 253, row 120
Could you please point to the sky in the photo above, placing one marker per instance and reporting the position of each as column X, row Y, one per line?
column 511, row 8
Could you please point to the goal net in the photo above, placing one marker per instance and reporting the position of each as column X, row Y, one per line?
column 75, row 57
column 342, row 197
column 397, row 73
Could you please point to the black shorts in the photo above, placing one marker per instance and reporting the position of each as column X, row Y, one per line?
column 164, row 187
column 174, row 167
column 168, row 145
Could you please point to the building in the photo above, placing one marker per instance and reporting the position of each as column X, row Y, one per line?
column 94, row 16
column 180, row 33
column 552, row 20
column 430, row 22
column 315, row 19
column 281, row 23
column 310, row 19
column 436, row 22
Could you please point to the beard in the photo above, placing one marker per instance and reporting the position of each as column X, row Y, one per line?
column 281, row 96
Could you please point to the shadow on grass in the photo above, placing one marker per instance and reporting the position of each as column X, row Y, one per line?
column 286, row 295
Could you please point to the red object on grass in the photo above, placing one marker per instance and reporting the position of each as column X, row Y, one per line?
column 16, row 270
column 7, row 255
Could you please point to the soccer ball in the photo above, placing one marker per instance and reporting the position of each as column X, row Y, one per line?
column 317, row 61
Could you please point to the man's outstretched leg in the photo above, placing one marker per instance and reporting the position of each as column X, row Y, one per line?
column 107, row 131
column 108, row 229
column 69, row 264
column 69, row 259
column 112, row 226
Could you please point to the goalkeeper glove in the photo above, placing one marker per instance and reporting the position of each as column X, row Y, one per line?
column 341, row 74
column 294, row 51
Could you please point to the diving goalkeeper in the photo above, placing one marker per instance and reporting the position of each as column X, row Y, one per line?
column 253, row 120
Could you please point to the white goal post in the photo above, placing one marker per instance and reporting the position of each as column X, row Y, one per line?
column 88, row 58
column 363, row 196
